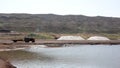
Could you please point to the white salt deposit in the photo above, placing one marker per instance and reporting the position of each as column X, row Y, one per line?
column 12, row 49
column 98, row 38
column 41, row 46
column 70, row 38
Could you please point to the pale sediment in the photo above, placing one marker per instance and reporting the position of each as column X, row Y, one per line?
column 98, row 38
column 70, row 38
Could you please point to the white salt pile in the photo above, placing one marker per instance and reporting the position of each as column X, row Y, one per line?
column 70, row 38
column 98, row 38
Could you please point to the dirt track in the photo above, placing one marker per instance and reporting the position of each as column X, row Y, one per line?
column 41, row 42
column 8, row 44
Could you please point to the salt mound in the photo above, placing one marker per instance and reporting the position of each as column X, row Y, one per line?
column 98, row 38
column 70, row 38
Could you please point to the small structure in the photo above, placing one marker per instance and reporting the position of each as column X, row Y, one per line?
column 98, row 38
column 70, row 38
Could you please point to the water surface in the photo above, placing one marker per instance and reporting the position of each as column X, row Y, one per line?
column 89, row 56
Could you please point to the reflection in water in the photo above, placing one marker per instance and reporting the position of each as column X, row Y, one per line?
column 66, row 57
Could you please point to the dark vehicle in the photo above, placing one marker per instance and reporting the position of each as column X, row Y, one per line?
column 26, row 39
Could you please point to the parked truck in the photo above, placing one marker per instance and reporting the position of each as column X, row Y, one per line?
column 26, row 39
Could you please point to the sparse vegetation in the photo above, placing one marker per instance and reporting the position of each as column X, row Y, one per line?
column 48, row 25
column 112, row 36
column 59, row 24
column 41, row 36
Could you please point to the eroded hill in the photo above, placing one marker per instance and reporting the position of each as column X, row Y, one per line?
column 59, row 23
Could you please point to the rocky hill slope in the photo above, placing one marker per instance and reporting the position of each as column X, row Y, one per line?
column 59, row 23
